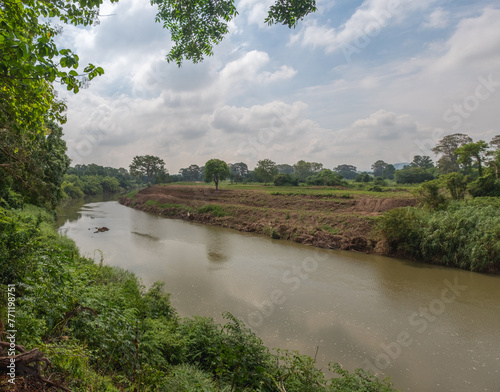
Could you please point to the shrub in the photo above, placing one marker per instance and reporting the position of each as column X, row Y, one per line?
column 413, row 175
column 285, row 180
column 326, row 177
column 456, row 183
column 430, row 195
column 379, row 181
column 485, row 186
column 464, row 236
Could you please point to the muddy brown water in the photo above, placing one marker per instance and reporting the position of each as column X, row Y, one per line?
column 428, row 328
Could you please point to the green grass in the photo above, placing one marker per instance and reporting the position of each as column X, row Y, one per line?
column 167, row 206
column 132, row 194
column 354, row 189
column 330, row 229
column 215, row 209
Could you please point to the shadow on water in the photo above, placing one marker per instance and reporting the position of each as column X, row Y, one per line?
column 147, row 236
column 71, row 211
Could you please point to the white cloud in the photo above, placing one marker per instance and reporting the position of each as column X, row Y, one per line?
column 382, row 135
column 255, row 11
column 255, row 99
column 438, row 19
column 474, row 45
column 363, row 25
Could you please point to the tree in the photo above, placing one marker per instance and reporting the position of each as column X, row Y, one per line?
column 468, row 151
column 283, row 179
column 284, row 168
column 378, row 168
column 31, row 61
column 384, row 170
column 447, row 145
column 238, row 171
column 216, row 170
column 33, row 165
column 197, row 25
column 316, row 167
column 389, row 171
column 456, row 183
column 266, row 170
column 303, row 169
column 425, row 162
column 363, row 177
column 326, row 177
column 148, row 166
column 413, row 175
column 191, row 173
column 495, row 142
column 349, row 172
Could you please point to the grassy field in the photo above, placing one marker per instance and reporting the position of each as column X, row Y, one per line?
column 392, row 190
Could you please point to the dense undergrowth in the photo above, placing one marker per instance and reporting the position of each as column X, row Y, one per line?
column 104, row 331
column 463, row 234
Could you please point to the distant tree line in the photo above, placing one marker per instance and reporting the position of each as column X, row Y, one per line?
column 92, row 179
column 463, row 166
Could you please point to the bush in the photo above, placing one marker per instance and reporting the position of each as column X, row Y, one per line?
column 430, row 196
column 379, row 181
column 71, row 190
column 285, row 180
column 485, row 186
column 464, row 235
column 183, row 378
column 456, row 183
column 363, row 177
column 326, row 177
column 413, row 175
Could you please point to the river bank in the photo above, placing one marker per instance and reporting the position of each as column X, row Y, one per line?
column 325, row 218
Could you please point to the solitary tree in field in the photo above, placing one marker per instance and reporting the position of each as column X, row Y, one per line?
column 216, row 170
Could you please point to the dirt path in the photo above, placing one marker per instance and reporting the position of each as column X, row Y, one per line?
column 334, row 220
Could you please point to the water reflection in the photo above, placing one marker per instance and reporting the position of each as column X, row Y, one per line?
column 218, row 252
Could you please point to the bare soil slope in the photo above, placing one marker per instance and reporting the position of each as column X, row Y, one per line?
column 328, row 220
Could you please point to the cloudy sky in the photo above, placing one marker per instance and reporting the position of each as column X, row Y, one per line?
column 355, row 82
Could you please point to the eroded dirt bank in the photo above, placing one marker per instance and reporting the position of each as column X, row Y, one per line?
column 334, row 220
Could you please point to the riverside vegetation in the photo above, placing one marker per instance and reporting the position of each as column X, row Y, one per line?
column 102, row 330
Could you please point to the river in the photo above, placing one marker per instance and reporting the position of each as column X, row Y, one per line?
column 428, row 328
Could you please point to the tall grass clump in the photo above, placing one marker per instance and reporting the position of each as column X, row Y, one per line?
column 464, row 235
